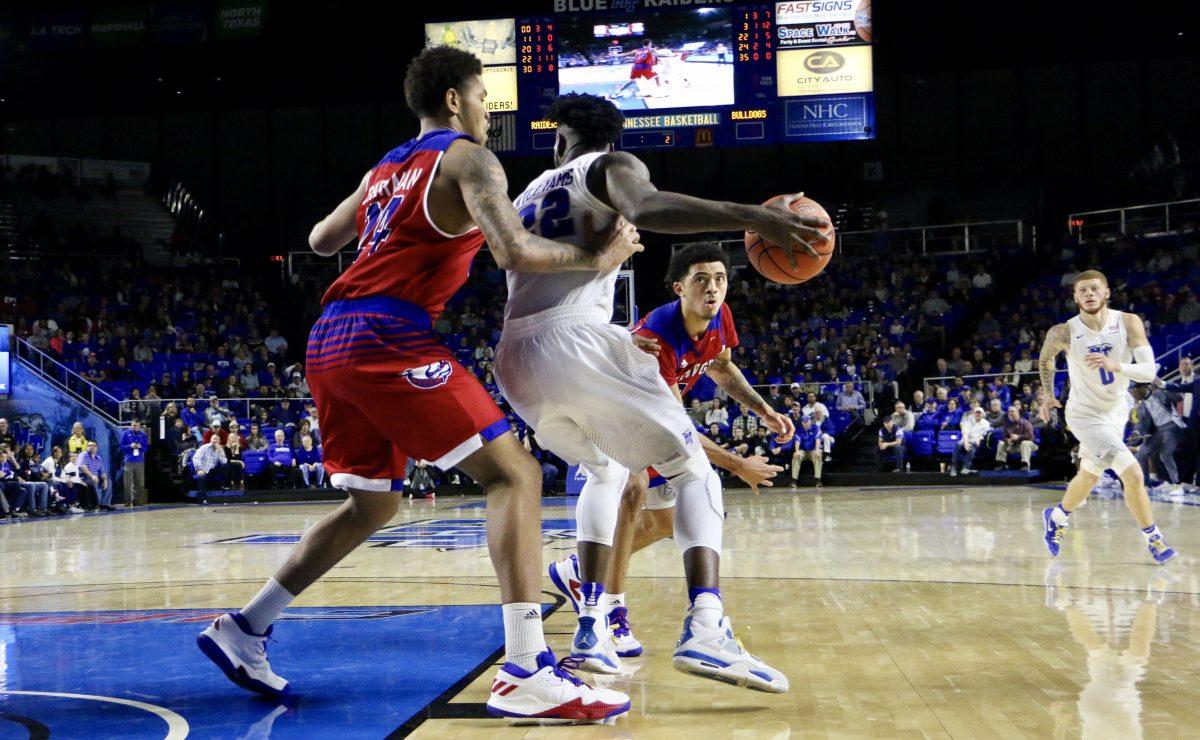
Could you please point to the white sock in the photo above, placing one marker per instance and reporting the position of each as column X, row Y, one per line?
column 1060, row 516
column 707, row 609
column 523, row 637
column 1150, row 532
column 266, row 606
column 612, row 601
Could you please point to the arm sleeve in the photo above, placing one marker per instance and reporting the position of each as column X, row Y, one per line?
column 1143, row 369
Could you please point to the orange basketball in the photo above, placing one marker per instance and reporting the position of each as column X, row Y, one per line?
column 771, row 259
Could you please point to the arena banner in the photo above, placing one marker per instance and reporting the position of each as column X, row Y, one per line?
column 824, row 71
column 118, row 27
column 175, row 24
column 629, row 6
column 57, row 30
column 822, row 23
column 828, row 115
column 239, row 19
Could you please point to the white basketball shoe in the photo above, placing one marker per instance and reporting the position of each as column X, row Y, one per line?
column 713, row 652
column 551, row 692
column 241, row 655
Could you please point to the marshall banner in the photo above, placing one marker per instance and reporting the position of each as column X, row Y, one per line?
column 117, row 27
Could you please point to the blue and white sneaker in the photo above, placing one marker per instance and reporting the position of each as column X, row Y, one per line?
column 713, row 652
column 553, row 692
column 1054, row 532
column 564, row 574
column 241, row 655
column 593, row 645
column 626, row 644
column 1159, row 549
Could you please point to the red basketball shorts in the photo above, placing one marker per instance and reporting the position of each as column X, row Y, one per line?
column 647, row 73
column 387, row 389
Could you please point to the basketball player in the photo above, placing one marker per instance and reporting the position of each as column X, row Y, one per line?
column 596, row 399
column 1098, row 343
column 691, row 337
column 644, row 60
column 418, row 218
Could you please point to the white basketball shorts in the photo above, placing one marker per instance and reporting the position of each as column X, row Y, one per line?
column 589, row 393
column 1101, row 433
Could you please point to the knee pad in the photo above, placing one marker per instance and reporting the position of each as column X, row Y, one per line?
column 599, row 503
column 699, row 508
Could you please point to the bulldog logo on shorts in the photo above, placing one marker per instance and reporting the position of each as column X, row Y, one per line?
column 429, row 376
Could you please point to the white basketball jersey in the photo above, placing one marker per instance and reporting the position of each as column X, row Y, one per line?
column 553, row 207
column 1097, row 388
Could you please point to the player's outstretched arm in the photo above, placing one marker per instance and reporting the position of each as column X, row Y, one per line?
column 484, row 189
column 340, row 227
column 730, row 379
column 623, row 182
column 1058, row 339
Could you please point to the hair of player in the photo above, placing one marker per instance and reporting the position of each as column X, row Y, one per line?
column 596, row 121
column 683, row 258
column 1090, row 275
column 434, row 71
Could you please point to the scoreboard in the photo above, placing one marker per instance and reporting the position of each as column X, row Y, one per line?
column 699, row 73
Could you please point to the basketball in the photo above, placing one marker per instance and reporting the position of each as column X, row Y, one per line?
column 771, row 260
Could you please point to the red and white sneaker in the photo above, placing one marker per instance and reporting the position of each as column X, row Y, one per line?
column 551, row 692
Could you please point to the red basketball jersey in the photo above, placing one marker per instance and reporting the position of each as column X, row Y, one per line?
column 682, row 359
column 401, row 253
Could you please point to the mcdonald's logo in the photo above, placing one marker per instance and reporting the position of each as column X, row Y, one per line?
column 704, row 137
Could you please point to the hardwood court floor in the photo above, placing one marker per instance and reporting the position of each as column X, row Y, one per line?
column 895, row 613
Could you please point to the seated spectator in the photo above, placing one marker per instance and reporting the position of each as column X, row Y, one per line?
column 891, row 447
column 995, row 413
column 812, row 405
column 256, row 441
column 231, row 388
column 308, row 460
column 281, row 461
column 825, row 440
column 77, row 442
column 192, row 417
column 214, row 431
column 275, row 343
column 850, row 400
column 952, row 416
column 305, row 429
column 1018, row 433
column 299, row 386
column 713, row 432
column 904, row 419
column 210, row 464
column 32, row 479
column 235, row 466
column 975, row 429
column 697, row 414
column 738, row 444
column 248, row 379
column 930, row 419
column 6, row 436
column 717, row 415
column 285, row 415
column 14, row 498
column 807, row 449
column 216, row 412
column 94, row 475
column 63, row 476
column 749, row 423
column 235, row 434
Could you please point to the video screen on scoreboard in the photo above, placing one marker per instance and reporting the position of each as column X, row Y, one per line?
column 666, row 59
column 494, row 42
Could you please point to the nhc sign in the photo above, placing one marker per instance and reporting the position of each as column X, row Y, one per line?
column 828, row 115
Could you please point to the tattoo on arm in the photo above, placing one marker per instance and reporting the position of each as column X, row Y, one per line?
column 730, row 379
column 485, row 192
column 1058, row 339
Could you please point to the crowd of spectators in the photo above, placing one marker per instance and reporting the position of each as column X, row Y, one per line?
column 72, row 478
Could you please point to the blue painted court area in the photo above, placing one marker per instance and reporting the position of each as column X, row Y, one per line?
column 355, row 672
column 440, row 534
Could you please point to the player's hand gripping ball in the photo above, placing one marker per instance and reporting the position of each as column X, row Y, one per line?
column 771, row 260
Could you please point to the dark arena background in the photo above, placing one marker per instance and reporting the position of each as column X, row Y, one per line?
column 162, row 168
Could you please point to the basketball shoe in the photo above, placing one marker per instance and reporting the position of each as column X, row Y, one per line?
column 564, row 574
column 713, row 652
column 241, row 655
column 593, row 644
column 551, row 691
column 1054, row 531
column 626, row 644
column 1159, row 549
